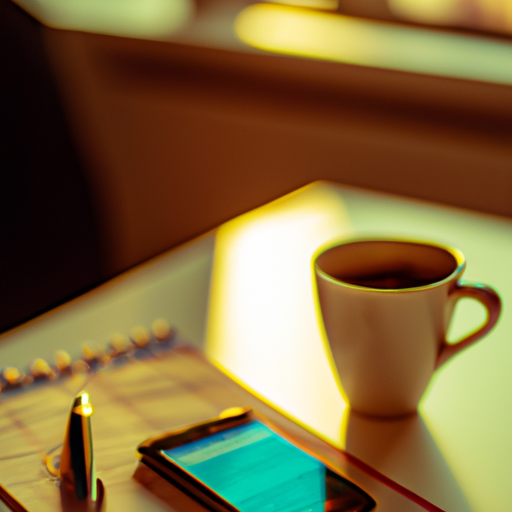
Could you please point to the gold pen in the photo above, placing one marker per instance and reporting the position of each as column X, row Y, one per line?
column 80, row 489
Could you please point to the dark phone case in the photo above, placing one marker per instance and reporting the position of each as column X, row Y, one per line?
column 345, row 496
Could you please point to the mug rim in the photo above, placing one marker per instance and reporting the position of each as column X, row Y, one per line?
column 460, row 262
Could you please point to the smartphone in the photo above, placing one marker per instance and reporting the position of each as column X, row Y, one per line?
column 238, row 462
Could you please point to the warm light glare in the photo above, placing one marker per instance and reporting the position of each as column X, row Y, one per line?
column 84, row 407
column 329, row 36
column 327, row 5
column 263, row 325
column 494, row 15
column 86, row 410
column 426, row 11
column 131, row 18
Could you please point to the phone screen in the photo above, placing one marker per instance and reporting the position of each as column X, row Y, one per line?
column 255, row 469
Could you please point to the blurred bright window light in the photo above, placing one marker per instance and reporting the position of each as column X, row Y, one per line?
column 426, row 11
column 130, row 18
column 492, row 15
column 327, row 5
column 329, row 36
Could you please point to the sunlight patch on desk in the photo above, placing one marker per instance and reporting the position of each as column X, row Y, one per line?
column 334, row 37
column 263, row 324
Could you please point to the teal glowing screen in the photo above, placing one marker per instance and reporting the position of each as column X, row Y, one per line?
column 256, row 470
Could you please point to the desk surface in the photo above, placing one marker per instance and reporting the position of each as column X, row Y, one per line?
column 455, row 453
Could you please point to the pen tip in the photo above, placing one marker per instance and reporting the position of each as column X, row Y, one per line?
column 82, row 404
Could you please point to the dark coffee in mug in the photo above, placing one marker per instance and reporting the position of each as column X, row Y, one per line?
column 393, row 279
column 389, row 265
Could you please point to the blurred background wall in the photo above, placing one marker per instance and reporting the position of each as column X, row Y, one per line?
column 49, row 242
column 116, row 148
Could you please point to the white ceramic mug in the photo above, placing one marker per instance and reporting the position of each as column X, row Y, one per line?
column 386, row 307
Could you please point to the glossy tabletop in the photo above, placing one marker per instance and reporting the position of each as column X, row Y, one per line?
column 245, row 294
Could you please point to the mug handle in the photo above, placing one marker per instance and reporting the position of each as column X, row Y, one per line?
column 491, row 302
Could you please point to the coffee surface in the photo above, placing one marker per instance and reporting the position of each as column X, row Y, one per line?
column 395, row 279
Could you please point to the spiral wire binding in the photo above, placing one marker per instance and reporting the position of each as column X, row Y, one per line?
column 143, row 343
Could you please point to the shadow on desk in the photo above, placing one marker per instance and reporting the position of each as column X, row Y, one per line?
column 404, row 450
column 164, row 491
